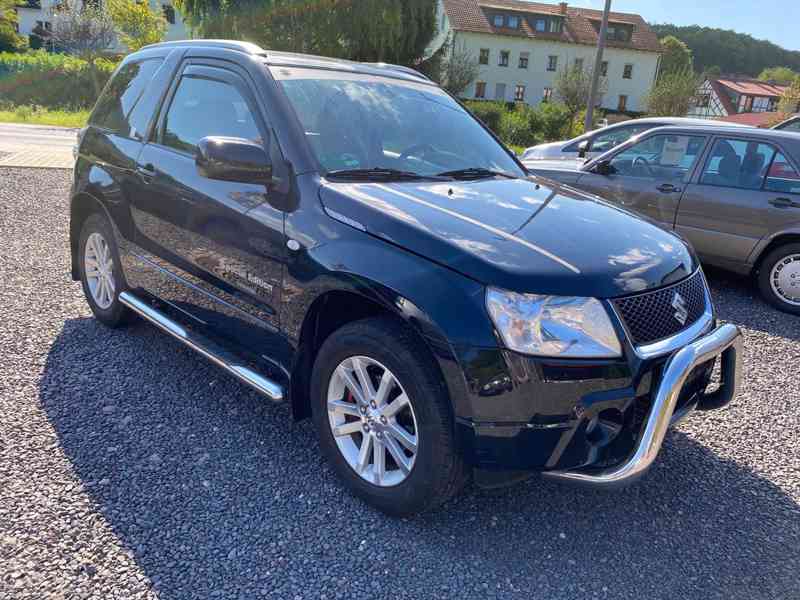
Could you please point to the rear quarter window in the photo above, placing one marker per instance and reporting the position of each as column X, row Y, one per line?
column 121, row 95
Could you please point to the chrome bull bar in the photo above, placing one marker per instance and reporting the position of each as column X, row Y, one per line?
column 724, row 341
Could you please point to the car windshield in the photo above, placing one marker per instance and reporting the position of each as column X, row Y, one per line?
column 357, row 122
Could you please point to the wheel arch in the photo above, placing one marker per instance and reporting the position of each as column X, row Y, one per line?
column 787, row 237
column 337, row 307
column 81, row 206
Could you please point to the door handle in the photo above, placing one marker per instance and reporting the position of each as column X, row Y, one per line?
column 784, row 203
column 668, row 188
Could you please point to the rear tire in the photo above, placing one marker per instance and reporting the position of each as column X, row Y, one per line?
column 779, row 278
column 419, row 435
column 100, row 272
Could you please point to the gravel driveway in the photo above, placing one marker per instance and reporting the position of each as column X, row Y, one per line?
column 131, row 468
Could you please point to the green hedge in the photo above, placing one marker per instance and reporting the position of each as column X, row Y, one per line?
column 50, row 80
column 524, row 125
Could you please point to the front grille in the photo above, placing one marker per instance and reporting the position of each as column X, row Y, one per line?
column 650, row 316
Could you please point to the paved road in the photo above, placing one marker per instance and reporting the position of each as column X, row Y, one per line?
column 36, row 146
column 131, row 468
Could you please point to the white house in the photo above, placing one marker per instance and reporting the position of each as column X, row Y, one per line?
column 33, row 13
column 521, row 46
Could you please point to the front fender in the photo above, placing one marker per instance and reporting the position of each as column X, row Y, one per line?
column 444, row 307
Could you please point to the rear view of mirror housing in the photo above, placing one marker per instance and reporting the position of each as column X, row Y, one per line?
column 233, row 159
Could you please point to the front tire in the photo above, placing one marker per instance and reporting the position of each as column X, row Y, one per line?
column 779, row 278
column 100, row 272
column 384, row 419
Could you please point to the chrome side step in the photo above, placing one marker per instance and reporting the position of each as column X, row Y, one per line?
column 204, row 346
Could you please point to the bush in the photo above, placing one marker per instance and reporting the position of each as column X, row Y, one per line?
column 517, row 127
column 10, row 41
column 553, row 120
column 49, row 80
column 489, row 112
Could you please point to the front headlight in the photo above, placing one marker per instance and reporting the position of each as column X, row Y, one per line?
column 558, row 326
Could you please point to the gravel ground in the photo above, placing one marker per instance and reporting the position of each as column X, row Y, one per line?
column 130, row 468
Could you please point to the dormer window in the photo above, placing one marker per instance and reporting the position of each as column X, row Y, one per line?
column 547, row 24
column 616, row 32
column 513, row 22
column 499, row 20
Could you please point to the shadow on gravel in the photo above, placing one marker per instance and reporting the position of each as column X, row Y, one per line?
column 738, row 301
column 218, row 494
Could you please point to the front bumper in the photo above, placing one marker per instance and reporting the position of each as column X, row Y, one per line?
column 724, row 341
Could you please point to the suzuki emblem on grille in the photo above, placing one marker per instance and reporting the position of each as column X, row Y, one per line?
column 681, row 310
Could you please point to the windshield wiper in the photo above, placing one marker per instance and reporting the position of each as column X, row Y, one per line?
column 377, row 174
column 476, row 173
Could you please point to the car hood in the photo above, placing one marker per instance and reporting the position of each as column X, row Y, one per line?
column 525, row 235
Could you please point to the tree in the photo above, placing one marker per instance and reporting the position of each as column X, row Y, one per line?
column 790, row 100
column 672, row 94
column 782, row 75
column 396, row 31
column 85, row 30
column 572, row 87
column 712, row 72
column 137, row 23
column 677, row 56
column 459, row 69
column 10, row 41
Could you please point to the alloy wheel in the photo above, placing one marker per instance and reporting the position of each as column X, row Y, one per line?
column 372, row 421
column 99, row 269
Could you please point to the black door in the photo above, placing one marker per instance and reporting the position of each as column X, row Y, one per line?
column 213, row 249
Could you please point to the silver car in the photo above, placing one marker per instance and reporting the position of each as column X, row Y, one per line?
column 790, row 124
column 598, row 141
column 733, row 192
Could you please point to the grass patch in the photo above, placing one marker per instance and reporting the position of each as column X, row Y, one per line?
column 36, row 115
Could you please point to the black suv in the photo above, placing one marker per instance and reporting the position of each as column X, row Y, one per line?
column 349, row 239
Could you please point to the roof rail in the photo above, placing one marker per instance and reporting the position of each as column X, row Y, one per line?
column 399, row 68
column 246, row 47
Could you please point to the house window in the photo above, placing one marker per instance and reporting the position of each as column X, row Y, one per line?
column 169, row 13
column 748, row 104
column 628, row 72
column 484, row 57
column 604, row 68
column 622, row 105
column 541, row 24
column 579, row 64
column 519, row 93
column 498, row 20
column 500, row 91
column 703, row 100
column 513, row 21
column 616, row 33
column 523, row 59
column 480, row 89
column 547, row 95
column 504, row 56
column 552, row 63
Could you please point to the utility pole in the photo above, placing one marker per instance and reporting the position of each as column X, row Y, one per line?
column 598, row 61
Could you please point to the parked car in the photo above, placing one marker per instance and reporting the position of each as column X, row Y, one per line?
column 594, row 143
column 734, row 193
column 347, row 239
column 790, row 124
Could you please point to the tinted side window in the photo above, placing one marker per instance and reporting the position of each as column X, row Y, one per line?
column 204, row 107
column 122, row 94
column 737, row 163
column 782, row 176
column 665, row 157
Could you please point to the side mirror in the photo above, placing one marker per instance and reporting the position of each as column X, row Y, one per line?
column 233, row 159
column 583, row 148
column 603, row 168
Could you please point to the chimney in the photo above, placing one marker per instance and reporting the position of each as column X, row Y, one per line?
column 563, row 7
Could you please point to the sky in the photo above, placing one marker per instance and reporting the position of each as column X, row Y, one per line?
column 773, row 20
